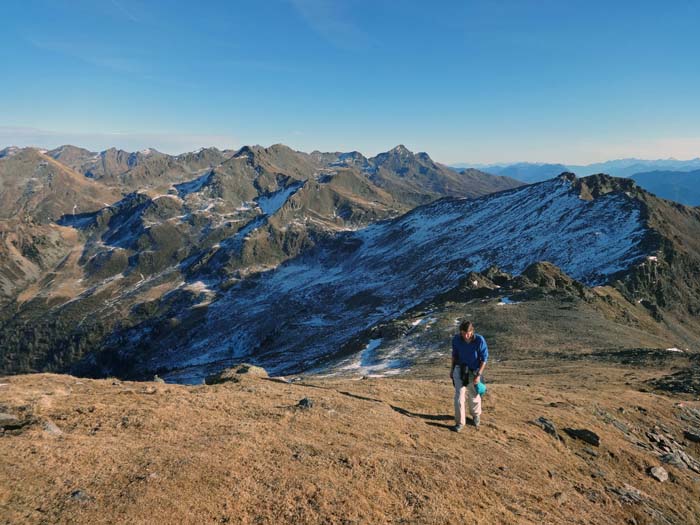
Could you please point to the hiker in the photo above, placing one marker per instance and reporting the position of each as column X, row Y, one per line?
column 469, row 356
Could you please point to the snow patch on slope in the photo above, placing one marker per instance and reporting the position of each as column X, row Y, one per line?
column 374, row 274
column 270, row 204
column 193, row 186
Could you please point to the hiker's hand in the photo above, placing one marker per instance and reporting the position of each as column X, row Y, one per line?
column 477, row 379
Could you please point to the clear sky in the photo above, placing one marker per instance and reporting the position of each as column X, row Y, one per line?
column 466, row 81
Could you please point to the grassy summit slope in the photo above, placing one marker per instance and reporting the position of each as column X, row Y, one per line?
column 367, row 451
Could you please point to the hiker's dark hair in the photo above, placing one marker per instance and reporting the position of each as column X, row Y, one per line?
column 465, row 326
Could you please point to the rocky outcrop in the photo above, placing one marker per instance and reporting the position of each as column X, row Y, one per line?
column 236, row 374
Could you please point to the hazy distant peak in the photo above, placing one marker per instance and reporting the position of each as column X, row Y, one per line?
column 9, row 151
column 279, row 147
column 401, row 149
column 245, row 151
column 68, row 149
column 398, row 154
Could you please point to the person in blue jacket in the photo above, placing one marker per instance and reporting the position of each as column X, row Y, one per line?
column 469, row 356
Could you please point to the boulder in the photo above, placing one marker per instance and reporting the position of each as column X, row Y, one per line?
column 546, row 425
column 236, row 374
column 10, row 422
column 51, row 428
column 659, row 474
column 305, row 403
column 584, row 435
column 693, row 436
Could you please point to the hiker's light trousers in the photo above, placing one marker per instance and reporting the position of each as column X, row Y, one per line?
column 462, row 391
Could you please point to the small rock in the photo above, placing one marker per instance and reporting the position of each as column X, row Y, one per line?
column 149, row 390
column 546, row 425
column 51, row 428
column 560, row 497
column 673, row 459
column 590, row 452
column 10, row 422
column 305, row 403
column 598, row 474
column 157, row 379
column 659, row 474
column 584, row 435
column 628, row 493
column 79, row 495
column 692, row 436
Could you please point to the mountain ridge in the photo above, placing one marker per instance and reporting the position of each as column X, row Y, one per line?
column 373, row 257
column 187, row 221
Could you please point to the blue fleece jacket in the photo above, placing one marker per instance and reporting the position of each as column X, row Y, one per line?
column 470, row 354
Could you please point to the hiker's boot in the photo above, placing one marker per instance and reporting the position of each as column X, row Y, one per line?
column 477, row 421
column 457, row 428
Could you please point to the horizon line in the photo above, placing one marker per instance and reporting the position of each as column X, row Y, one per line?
column 461, row 164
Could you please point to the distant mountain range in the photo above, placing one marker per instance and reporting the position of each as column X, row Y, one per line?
column 135, row 263
column 668, row 178
column 88, row 240
column 535, row 171
column 629, row 167
column 523, row 171
column 679, row 186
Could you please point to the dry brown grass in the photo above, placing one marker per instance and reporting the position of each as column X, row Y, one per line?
column 368, row 451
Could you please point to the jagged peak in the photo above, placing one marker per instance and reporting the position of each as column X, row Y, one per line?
column 401, row 150
column 246, row 150
column 594, row 186
column 423, row 156
column 567, row 175
column 113, row 152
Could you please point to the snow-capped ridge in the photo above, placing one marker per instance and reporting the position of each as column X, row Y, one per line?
column 380, row 271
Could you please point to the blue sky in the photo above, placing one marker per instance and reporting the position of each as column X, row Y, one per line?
column 488, row 81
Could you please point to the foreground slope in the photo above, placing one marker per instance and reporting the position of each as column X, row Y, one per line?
column 366, row 451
